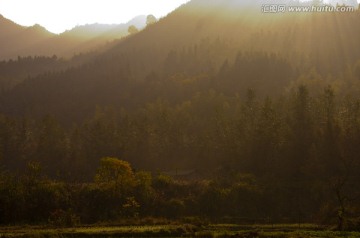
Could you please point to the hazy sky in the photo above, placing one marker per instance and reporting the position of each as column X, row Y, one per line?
column 60, row 15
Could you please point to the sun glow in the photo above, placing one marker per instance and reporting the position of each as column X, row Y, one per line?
column 60, row 15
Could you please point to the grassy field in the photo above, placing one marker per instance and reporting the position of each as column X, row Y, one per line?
column 121, row 231
column 218, row 230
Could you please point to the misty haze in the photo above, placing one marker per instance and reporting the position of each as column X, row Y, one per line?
column 200, row 118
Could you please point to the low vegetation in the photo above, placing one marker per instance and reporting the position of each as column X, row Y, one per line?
column 179, row 230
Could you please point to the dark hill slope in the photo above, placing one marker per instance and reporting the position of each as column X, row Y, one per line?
column 15, row 38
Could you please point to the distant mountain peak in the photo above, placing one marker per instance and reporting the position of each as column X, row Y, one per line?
column 98, row 29
column 138, row 20
column 38, row 26
column 39, row 29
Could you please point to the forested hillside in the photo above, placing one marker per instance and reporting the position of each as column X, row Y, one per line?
column 253, row 115
column 271, row 54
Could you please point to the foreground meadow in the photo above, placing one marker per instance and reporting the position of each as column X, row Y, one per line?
column 183, row 230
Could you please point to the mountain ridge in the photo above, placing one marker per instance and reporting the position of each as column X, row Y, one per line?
column 18, row 40
column 210, row 45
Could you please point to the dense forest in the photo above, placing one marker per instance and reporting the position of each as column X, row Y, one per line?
column 290, row 158
column 226, row 115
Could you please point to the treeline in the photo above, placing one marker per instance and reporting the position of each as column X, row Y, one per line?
column 290, row 158
column 71, row 96
column 117, row 192
column 14, row 72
